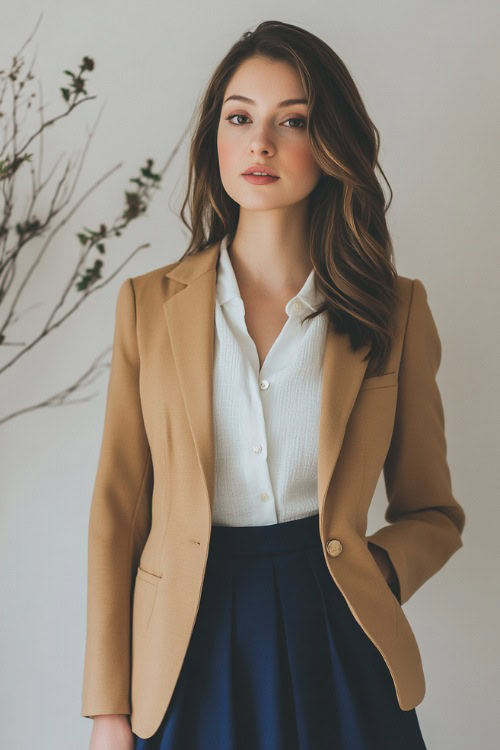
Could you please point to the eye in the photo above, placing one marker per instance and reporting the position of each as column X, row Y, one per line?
column 295, row 119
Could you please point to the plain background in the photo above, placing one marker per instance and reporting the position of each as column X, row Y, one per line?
column 428, row 73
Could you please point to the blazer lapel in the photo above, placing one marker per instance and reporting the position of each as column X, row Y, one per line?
column 190, row 316
column 343, row 371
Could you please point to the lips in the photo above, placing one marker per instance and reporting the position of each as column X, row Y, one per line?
column 260, row 168
column 260, row 179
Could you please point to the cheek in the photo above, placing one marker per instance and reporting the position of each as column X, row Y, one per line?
column 226, row 148
column 300, row 159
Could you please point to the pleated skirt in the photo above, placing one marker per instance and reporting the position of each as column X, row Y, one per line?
column 276, row 660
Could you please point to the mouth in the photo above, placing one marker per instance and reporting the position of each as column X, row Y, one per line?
column 260, row 179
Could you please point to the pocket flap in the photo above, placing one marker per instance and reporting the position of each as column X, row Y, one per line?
column 145, row 575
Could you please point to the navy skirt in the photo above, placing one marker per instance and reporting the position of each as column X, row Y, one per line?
column 276, row 660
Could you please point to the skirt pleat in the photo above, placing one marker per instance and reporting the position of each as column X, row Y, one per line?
column 276, row 659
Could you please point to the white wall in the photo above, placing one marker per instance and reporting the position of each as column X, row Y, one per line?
column 428, row 72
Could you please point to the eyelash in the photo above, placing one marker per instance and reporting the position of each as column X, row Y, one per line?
column 238, row 124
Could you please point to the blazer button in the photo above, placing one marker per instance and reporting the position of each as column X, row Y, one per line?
column 333, row 547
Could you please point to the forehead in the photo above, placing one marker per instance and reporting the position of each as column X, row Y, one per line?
column 265, row 81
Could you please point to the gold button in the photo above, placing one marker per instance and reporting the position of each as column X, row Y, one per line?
column 333, row 547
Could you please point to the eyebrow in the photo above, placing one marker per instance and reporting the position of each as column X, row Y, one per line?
column 246, row 100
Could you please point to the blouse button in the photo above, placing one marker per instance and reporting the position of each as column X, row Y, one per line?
column 264, row 385
column 297, row 305
column 257, row 448
column 264, row 496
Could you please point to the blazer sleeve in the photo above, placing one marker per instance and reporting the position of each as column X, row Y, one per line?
column 119, row 522
column 425, row 521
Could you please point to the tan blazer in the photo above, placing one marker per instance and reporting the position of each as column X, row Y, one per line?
column 150, row 517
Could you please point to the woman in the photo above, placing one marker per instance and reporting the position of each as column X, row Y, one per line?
column 258, row 387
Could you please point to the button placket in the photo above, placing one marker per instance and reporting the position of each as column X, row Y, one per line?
column 264, row 497
column 258, row 479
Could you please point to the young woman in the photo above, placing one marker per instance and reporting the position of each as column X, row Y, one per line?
column 259, row 385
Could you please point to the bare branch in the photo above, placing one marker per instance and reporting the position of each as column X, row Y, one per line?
column 86, row 277
column 61, row 398
column 47, row 330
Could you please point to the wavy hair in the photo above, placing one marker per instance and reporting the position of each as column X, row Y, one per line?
column 351, row 248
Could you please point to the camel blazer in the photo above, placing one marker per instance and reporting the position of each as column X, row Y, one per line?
column 150, row 515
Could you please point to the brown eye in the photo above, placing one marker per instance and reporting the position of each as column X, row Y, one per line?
column 229, row 117
column 294, row 119
column 297, row 119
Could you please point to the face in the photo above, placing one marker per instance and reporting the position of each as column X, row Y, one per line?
column 265, row 133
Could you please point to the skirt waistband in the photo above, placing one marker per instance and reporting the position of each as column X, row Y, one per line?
column 276, row 538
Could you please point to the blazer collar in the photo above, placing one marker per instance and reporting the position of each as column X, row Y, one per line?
column 190, row 317
column 190, row 267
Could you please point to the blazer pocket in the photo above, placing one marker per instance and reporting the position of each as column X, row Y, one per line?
column 145, row 575
column 145, row 596
column 380, row 381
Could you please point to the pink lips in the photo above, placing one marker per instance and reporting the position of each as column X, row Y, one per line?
column 259, row 179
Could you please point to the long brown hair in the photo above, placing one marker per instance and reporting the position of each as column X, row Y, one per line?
column 351, row 249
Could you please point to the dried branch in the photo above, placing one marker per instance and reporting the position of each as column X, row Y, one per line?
column 61, row 398
column 34, row 227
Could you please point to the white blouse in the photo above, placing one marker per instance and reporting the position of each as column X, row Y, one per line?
column 266, row 422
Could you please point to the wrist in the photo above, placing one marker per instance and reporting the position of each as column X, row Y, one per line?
column 111, row 717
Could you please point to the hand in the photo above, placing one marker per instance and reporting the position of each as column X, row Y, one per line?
column 111, row 732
